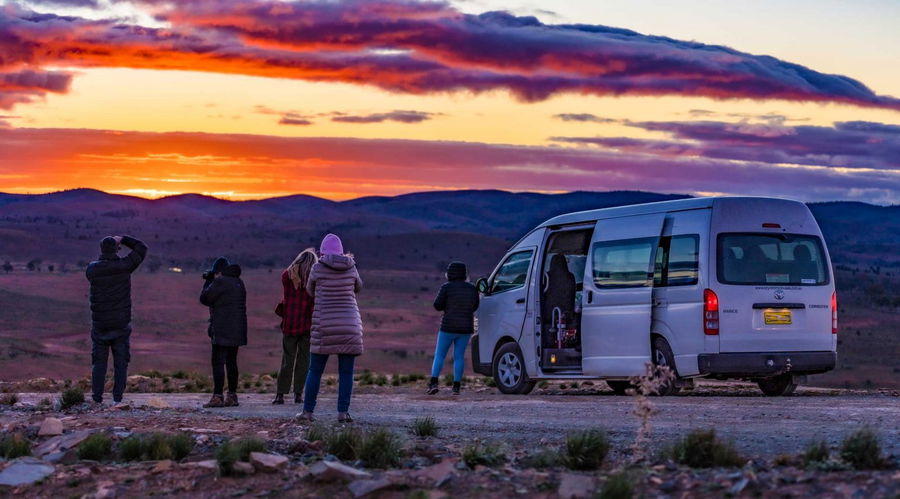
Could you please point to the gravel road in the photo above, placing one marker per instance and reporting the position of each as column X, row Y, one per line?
column 760, row 426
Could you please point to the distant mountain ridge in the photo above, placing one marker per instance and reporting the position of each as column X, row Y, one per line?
column 396, row 232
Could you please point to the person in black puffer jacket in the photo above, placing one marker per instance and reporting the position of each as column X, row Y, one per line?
column 458, row 299
column 226, row 297
column 110, row 297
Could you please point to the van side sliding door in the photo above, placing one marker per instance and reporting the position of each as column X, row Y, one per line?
column 617, row 298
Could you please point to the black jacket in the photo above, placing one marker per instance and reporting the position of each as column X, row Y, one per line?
column 458, row 300
column 226, row 298
column 110, row 294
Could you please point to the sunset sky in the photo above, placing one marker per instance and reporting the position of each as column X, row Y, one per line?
column 248, row 99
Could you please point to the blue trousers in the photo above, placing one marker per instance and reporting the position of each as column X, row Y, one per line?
column 444, row 340
column 317, row 363
column 102, row 345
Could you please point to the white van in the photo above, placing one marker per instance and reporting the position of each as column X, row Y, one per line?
column 725, row 287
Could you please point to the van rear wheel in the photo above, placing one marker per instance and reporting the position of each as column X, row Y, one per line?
column 782, row 384
column 509, row 371
column 663, row 356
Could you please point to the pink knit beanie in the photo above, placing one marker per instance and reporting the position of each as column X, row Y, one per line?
column 331, row 245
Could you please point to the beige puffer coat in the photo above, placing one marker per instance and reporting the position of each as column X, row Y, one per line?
column 336, row 323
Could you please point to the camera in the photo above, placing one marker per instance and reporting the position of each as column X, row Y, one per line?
column 209, row 275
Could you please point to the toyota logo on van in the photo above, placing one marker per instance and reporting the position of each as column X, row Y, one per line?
column 779, row 294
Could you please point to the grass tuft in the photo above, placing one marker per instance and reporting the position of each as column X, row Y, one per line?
column 13, row 446
column 345, row 443
column 156, row 447
column 617, row 486
column 317, row 432
column 425, row 427
column 862, row 450
column 489, row 455
column 542, row 459
column 586, row 450
column 97, row 447
column 237, row 450
column 380, row 448
column 71, row 397
column 702, row 449
column 816, row 452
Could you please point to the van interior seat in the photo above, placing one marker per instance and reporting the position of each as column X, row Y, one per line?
column 560, row 292
column 804, row 267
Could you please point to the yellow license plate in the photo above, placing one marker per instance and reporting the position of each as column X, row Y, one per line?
column 777, row 317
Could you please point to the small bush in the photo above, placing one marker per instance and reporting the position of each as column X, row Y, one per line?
column 180, row 374
column 862, row 450
column 380, row 448
column 71, row 397
column 490, row 382
column 152, row 374
column 381, row 380
column 617, row 486
column 156, row 447
column 395, row 380
column 237, row 450
column 366, row 378
column 9, row 399
column 13, row 446
column 815, row 452
column 702, row 449
column 425, row 427
column 586, row 450
column 542, row 459
column 97, row 447
column 345, row 443
column 489, row 455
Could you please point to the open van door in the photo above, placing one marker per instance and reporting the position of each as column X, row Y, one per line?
column 617, row 297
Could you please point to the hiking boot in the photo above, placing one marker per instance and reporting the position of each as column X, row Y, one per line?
column 231, row 400
column 298, row 399
column 215, row 401
column 279, row 399
column 344, row 417
column 432, row 387
column 456, row 387
column 305, row 417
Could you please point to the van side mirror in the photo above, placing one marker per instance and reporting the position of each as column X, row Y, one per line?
column 481, row 285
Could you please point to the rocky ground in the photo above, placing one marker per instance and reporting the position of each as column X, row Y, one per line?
column 769, row 434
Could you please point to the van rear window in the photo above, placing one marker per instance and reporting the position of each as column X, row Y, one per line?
column 773, row 259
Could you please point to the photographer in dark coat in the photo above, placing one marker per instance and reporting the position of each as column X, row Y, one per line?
column 226, row 297
column 458, row 300
column 110, row 297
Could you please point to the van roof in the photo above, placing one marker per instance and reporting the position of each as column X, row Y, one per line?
column 647, row 208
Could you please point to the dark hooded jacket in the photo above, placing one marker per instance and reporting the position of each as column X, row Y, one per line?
column 458, row 299
column 110, row 293
column 226, row 298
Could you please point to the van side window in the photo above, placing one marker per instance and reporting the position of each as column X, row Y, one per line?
column 677, row 261
column 512, row 272
column 623, row 263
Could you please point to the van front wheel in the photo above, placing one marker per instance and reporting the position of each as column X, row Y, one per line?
column 509, row 371
column 782, row 384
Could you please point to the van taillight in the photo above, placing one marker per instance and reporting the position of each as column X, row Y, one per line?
column 834, row 312
column 710, row 312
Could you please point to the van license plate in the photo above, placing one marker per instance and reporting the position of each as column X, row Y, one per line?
column 777, row 317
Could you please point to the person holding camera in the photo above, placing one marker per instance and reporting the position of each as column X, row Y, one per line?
column 225, row 295
column 110, row 298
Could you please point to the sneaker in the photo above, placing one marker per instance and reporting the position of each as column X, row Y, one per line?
column 215, row 401
column 432, row 387
column 456, row 388
column 298, row 399
column 279, row 399
column 231, row 400
column 305, row 417
column 122, row 405
column 344, row 417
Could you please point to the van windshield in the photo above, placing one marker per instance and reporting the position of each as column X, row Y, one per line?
column 786, row 259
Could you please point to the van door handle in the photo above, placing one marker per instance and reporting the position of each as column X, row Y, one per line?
column 590, row 296
column 520, row 300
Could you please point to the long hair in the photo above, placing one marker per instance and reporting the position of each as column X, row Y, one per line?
column 299, row 269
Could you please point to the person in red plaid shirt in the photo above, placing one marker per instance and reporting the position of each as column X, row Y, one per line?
column 296, row 310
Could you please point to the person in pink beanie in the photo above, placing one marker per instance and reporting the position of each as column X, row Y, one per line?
column 336, row 324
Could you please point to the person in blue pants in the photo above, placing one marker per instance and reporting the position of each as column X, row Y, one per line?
column 458, row 300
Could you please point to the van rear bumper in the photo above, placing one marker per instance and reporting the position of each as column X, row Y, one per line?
column 760, row 364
